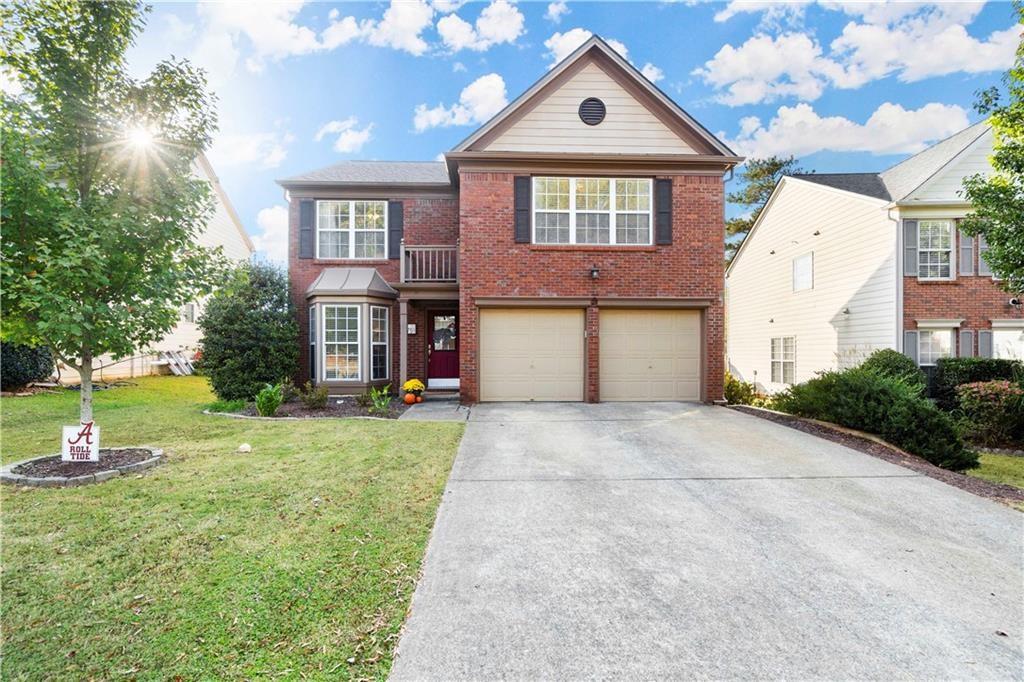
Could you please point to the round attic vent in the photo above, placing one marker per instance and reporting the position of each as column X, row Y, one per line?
column 592, row 111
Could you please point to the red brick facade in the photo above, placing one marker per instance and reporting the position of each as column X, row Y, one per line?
column 494, row 265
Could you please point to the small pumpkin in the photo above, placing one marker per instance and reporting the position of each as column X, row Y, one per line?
column 409, row 398
column 419, row 399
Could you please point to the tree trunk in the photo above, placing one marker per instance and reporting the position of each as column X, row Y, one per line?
column 85, row 395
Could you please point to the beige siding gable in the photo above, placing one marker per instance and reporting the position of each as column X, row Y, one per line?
column 947, row 184
column 554, row 125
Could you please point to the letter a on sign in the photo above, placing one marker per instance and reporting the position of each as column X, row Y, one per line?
column 81, row 443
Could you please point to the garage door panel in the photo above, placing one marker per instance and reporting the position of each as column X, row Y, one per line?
column 650, row 355
column 531, row 354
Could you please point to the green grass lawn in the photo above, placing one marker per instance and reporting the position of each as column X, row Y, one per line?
column 287, row 562
column 1000, row 469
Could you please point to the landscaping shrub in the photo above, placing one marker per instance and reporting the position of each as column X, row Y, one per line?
column 739, row 392
column 268, row 400
column 226, row 406
column 863, row 399
column 288, row 390
column 381, row 399
column 892, row 363
column 992, row 412
column 250, row 336
column 314, row 397
column 21, row 365
column 952, row 372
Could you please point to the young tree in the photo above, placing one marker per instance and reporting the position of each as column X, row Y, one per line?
column 100, row 206
column 998, row 200
column 759, row 178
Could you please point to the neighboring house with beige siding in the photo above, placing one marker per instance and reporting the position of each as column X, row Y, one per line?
column 224, row 230
column 840, row 265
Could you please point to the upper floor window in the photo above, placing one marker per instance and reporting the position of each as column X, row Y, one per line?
column 592, row 210
column 351, row 229
column 803, row 272
column 934, row 249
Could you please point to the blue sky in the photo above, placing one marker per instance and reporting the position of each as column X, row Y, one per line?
column 844, row 86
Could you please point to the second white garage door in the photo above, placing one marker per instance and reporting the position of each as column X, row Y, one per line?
column 531, row 354
column 650, row 354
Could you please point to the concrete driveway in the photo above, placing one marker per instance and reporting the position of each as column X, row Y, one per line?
column 649, row 541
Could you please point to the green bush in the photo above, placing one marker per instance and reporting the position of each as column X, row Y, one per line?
column 952, row 372
column 992, row 412
column 250, row 336
column 226, row 406
column 862, row 399
column 892, row 363
column 314, row 397
column 381, row 399
column 739, row 392
column 268, row 400
column 21, row 365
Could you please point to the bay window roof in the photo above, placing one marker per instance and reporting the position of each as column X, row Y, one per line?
column 350, row 282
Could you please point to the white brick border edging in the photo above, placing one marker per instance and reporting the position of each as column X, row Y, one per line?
column 8, row 477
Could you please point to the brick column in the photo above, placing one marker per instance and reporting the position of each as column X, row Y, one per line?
column 593, row 350
column 403, row 342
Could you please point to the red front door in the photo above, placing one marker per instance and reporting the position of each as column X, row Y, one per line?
column 443, row 351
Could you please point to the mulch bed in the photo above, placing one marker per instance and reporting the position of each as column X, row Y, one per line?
column 109, row 459
column 347, row 407
column 999, row 492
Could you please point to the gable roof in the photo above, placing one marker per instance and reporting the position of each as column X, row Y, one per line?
column 211, row 176
column 594, row 46
column 427, row 173
column 868, row 184
column 909, row 174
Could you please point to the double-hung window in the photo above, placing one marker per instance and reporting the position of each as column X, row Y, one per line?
column 379, row 355
column 934, row 249
column 803, row 272
column 783, row 359
column 351, row 229
column 933, row 344
column 592, row 210
column 341, row 342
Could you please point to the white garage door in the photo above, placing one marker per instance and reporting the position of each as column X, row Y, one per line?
column 650, row 354
column 531, row 354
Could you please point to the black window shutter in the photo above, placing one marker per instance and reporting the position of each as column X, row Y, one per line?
column 663, row 211
column 396, row 228
column 522, row 208
column 307, row 215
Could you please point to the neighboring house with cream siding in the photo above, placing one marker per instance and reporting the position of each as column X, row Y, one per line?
column 224, row 230
column 840, row 265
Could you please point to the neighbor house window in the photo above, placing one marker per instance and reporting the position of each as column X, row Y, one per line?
column 591, row 211
column 803, row 272
column 783, row 359
column 312, row 342
column 341, row 342
column 351, row 229
column 983, row 267
column 933, row 344
column 935, row 249
column 188, row 312
column 379, row 356
column 1008, row 343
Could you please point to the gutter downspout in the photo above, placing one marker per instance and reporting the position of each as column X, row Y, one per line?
column 898, row 341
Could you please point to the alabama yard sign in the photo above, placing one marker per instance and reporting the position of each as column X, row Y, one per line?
column 81, row 443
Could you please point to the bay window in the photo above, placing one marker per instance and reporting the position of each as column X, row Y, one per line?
column 783, row 359
column 341, row 342
column 933, row 344
column 351, row 229
column 592, row 211
column 380, row 358
column 935, row 249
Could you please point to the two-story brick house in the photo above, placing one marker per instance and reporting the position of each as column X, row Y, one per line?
column 840, row 265
column 569, row 249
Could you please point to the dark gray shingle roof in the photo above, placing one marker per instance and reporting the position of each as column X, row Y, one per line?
column 868, row 184
column 375, row 173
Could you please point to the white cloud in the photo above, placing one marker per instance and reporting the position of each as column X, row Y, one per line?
column 652, row 72
column 447, row 6
column 499, row 22
column 269, row 27
column 774, row 12
column 175, row 30
column 340, row 31
column 273, row 238
column 264, row 150
column 401, row 26
column 350, row 138
column 479, row 101
column 458, row 67
column 557, row 10
column 561, row 45
column 891, row 129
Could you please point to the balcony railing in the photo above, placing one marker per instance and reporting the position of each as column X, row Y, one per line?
column 431, row 263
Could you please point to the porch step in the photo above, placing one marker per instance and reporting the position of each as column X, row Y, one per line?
column 439, row 394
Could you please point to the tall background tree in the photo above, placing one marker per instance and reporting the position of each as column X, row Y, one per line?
column 998, row 200
column 100, row 206
column 759, row 177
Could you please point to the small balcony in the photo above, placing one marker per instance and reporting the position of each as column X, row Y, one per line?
column 429, row 263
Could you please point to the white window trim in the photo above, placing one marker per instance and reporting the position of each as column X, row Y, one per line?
column 935, row 330
column 782, row 362
column 809, row 287
column 386, row 343
column 612, row 212
column 359, row 340
column 351, row 229
column 951, row 250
